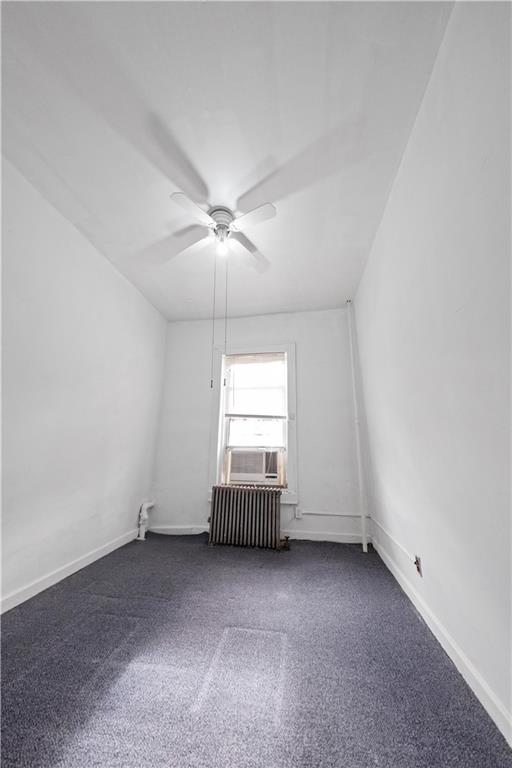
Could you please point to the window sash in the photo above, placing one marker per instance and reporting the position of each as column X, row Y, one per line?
column 249, row 381
column 272, row 432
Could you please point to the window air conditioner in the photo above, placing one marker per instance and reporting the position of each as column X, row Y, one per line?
column 254, row 466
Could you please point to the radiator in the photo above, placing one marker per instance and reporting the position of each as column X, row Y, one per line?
column 246, row 516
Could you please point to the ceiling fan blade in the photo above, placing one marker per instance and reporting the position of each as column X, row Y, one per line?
column 190, row 250
column 343, row 147
column 261, row 213
column 192, row 209
column 247, row 248
column 185, row 174
column 162, row 251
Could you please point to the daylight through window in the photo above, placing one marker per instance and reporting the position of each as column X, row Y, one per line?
column 255, row 419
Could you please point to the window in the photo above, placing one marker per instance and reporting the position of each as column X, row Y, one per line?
column 270, row 397
column 255, row 419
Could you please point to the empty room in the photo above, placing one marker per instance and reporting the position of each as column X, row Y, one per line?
column 256, row 507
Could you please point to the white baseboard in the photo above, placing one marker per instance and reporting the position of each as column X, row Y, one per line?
column 316, row 513
column 39, row 585
column 341, row 538
column 495, row 708
column 179, row 530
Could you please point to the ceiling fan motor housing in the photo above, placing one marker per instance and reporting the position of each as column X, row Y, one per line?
column 223, row 218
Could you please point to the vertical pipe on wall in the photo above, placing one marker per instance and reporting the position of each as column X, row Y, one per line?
column 360, row 473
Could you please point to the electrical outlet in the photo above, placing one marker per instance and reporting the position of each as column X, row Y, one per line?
column 298, row 513
column 417, row 563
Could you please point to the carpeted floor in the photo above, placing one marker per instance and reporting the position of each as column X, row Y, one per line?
column 174, row 654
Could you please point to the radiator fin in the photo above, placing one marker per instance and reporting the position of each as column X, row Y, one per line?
column 246, row 516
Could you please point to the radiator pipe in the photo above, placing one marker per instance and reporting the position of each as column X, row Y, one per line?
column 360, row 472
column 143, row 521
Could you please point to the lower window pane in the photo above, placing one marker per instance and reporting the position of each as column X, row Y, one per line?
column 251, row 433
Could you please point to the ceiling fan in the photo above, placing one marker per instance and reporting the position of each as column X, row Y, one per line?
column 226, row 228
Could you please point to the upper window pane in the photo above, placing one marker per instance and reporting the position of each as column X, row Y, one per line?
column 256, row 385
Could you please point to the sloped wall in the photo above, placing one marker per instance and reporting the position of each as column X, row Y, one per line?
column 83, row 371
column 433, row 321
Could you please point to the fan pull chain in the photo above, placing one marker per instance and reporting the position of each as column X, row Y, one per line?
column 226, row 315
column 213, row 317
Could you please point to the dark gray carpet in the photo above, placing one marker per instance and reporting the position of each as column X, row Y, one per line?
column 172, row 653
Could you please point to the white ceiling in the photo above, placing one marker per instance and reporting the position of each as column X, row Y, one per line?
column 110, row 107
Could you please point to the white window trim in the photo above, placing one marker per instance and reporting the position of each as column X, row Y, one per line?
column 290, row 494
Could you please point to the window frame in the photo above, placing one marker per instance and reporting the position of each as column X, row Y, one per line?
column 216, row 458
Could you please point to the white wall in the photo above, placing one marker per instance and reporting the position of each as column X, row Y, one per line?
column 432, row 313
column 325, row 429
column 83, row 369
